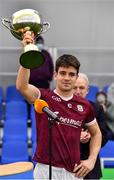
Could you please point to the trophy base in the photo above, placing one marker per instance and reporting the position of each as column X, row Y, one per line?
column 32, row 59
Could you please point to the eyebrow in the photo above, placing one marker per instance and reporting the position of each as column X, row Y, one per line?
column 79, row 87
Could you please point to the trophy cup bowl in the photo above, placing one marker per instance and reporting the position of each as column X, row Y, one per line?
column 27, row 20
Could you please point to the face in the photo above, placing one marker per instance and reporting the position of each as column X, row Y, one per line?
column 65, row 79
column 81, row 87
column 101, row 99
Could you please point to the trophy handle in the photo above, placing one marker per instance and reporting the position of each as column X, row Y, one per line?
column 46, row 26
column 4, row 21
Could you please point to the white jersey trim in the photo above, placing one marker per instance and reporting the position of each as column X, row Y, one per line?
column 62, row 97
column 91, row 123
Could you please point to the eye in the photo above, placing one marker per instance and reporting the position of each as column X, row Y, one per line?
column 75, row 88
column 82, row 87
column 62, row 73
column 72, row 74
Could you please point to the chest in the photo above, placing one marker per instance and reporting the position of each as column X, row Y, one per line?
column 69, row 112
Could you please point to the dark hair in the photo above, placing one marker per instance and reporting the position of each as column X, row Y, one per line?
column 101, row 92
column 67, row 60
column 39, row 39
column 101, row 100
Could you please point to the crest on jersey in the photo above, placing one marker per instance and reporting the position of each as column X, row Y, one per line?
column 80, row 108
column 69, row 105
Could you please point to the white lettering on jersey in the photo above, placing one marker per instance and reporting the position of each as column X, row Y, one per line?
column 68, row 121
column 56, row 98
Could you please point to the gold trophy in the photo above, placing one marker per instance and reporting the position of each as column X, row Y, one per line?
column 27, row 20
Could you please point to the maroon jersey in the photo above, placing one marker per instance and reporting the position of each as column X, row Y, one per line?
column 73, row 114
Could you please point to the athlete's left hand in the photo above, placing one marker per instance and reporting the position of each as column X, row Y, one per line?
column 83, row 168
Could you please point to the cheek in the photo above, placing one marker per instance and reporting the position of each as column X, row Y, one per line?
column 58, row 80
column 85, row 93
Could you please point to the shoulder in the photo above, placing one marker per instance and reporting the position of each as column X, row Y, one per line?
column 81, row 100
column 46, row 93
column 85, row 108
column 84, row 103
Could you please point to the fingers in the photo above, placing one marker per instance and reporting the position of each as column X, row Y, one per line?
column 82, row 173
column 28, row 37
column 76, row 167
column 80, row 170
column 85, row 137
column 84, row 141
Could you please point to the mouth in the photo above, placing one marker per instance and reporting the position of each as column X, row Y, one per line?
column 66, row 84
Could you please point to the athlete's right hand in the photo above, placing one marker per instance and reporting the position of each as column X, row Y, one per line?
column 28, row 37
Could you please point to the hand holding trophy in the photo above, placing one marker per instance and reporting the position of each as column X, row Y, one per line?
column 27, row 21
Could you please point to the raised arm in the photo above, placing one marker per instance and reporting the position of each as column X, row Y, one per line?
column 30, row 92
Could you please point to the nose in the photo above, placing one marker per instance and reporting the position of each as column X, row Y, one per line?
column 77, row 91
column 67, row 77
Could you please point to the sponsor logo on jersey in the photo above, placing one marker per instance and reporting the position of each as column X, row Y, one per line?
column 56, row 98
column 68, row 121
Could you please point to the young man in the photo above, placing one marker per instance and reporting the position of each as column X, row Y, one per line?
column 73, row 113
column 81, row 88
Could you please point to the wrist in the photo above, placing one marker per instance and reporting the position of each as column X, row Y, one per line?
column 92, row 159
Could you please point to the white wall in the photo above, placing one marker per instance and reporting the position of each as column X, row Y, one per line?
column 84, row 28
column 77, row 23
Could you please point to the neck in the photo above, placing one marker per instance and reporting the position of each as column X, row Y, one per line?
column 64, row 94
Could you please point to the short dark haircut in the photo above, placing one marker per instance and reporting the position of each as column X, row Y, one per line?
column 67, row 60
column 101, row 93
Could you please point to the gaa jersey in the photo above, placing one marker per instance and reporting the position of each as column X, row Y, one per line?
column 73, row 114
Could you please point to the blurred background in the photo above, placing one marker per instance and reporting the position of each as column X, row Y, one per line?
column 84, row 28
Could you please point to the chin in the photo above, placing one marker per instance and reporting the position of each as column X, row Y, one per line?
column 66, row 89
